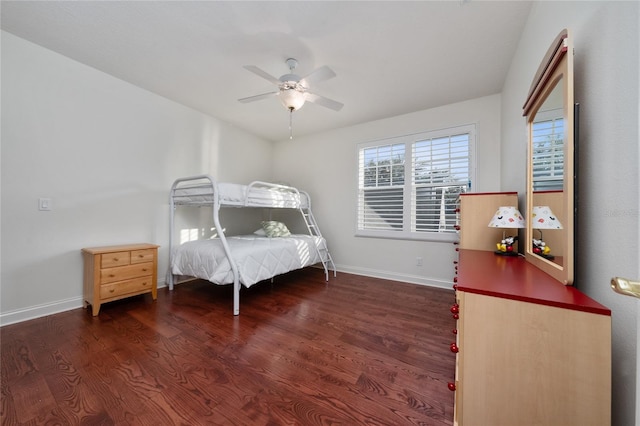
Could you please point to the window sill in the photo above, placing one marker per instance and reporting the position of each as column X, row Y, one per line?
column 431, row 237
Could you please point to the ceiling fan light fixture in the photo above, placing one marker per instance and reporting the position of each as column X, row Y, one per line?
column 292, row 99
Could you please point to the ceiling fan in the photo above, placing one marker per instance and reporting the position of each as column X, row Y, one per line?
column 293, row 90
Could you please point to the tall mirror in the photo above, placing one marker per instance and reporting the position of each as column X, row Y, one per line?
column 549, row 234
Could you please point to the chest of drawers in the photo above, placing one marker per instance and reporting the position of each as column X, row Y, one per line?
column 116, row 272
column 529, row 350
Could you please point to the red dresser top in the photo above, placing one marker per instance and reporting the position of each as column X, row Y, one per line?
column 512, row 277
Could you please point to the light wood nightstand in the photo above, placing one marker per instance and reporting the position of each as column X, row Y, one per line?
column 116, row 272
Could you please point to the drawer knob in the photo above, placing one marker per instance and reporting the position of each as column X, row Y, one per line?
column 451, row 386
column 112, row 290
column 111, row 275
column 455, row 309
column 454, row 348
column 115, row 259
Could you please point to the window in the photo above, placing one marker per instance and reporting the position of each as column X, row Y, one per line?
column 548, row 151
column 408, row 186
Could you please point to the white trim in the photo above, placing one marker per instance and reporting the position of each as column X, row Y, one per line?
column 395, row 276
column 39, row 311
column 442, row 237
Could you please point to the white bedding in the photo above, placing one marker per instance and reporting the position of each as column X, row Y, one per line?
column 257, row 258
column 236, row 195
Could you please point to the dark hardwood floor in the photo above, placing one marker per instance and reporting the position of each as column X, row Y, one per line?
column 352, row 351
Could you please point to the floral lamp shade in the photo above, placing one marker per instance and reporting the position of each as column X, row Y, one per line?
column 543, row 218
column 507, row 217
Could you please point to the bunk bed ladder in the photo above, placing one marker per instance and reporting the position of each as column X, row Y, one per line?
column 323, row 250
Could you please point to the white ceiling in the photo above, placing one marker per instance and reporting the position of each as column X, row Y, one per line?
column 390, row 58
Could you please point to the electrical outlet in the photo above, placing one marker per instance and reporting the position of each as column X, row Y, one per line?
column 418, row 261
column 44, row 204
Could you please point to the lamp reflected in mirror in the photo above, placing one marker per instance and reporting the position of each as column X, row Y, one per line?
column 542, row 217
column 507, row 217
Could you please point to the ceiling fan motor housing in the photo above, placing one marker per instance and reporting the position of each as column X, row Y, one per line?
column 290, row 78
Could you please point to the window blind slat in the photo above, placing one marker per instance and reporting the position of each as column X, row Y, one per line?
column 548, row 154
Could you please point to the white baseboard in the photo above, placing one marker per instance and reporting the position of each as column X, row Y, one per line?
column 395, row 276
column 38, row 311
column 32, row 312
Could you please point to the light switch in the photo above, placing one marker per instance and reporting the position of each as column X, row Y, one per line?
column 44, row 204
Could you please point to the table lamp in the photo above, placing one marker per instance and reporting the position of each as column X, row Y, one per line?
column 543, row 218
column 507, row 217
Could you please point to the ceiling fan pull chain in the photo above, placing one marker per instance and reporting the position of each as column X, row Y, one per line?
column 290, row 123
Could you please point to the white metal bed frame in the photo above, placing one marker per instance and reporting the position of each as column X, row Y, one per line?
column 203, row 190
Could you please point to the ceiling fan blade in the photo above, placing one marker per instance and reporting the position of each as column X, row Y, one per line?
column 257, row 97
column 321, row 74
column 262, row 74
column 325, row 102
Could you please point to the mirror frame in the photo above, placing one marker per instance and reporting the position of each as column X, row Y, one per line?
column 556, row 68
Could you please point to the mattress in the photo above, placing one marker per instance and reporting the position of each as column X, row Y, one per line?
column 236, row 195
column 257, row 258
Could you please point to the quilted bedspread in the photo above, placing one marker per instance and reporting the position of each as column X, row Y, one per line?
column 257, row 258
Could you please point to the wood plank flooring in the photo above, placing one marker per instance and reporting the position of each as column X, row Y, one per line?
column 352, row 351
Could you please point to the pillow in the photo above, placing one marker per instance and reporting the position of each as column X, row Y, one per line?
column 260, row 232
column 275, row 229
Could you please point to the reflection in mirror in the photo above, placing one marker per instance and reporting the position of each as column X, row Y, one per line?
column 547, row 168
column 547, row 138
column 547, row 218
column 549, row 196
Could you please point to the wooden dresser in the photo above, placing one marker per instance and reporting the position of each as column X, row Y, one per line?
column 529, row 350
column 116, row 272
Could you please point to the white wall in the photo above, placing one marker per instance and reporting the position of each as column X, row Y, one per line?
column 606, row 61
column 106, row 153
column 325, row 165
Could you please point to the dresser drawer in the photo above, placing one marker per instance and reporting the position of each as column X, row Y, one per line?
column 126, row 272
column 136, row 285
column 110, row 260
column 141, row 256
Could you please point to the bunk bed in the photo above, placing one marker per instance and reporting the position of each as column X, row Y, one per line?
column 244, row 259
